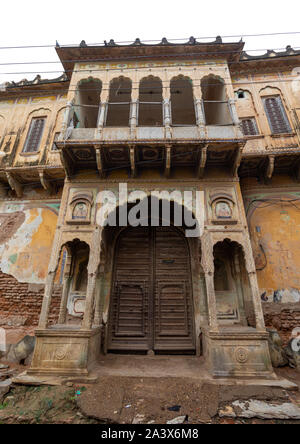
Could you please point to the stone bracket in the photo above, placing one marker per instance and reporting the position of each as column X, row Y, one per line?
column 99, row 160
column 46, row 184
column 168, row 160
column 202, row 162
column 132, row 160
column 14, row 184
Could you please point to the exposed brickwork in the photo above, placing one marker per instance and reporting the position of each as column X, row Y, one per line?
column 283, row 317
column 20, row 299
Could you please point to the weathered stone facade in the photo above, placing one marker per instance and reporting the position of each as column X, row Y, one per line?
column 205, row 118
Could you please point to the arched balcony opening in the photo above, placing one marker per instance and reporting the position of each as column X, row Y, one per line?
column 150, row 102
column 182, row 101
column 74, row 277
column 215, row 101
column 232, row 286
column 87, row 103
column 118, row 110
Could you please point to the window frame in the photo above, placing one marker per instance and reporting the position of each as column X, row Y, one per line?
column 254, row 121
column 284, row 114
column 25, row 149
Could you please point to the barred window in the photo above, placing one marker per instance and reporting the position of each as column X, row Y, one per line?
column 249, row 127
column 34, row 135
column 276, row 114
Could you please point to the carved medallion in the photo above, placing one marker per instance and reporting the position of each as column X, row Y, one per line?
column 60, row 353
column 241, row 355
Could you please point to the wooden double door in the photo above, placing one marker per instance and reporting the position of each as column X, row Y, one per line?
column 151, row 304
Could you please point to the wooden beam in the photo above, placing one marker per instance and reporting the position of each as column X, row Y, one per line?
column 168, row 160
column 46, row 184
column 132, row 160
column 99, row 159
column 202, row 162
column 14, row 184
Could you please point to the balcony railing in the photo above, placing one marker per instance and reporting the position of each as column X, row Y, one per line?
column 133, row 121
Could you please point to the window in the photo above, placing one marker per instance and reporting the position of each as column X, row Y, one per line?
column 34, row 135
column 54, row 147
column 276, row 114
column 241, row 94
column 249, row 126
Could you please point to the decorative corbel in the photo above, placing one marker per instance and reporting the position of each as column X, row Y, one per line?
column 132, row 160
column 46, row 184
column 99, row 160
column 67, row 167
column 168, row 160
column 14, row 184
column 202, row 162
column 270, row 167
column 237, row 160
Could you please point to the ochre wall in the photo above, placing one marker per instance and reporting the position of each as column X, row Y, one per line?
column 274, row 226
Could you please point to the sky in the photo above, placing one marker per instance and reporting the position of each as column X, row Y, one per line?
column 32, row 23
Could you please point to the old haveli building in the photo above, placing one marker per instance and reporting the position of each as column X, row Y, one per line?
column 205, row 117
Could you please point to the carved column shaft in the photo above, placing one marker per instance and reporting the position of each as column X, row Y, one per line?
column 47, row 300
column 65, row 293
column 250, row 267
column 207, row 261
column 54, row 261
column 93, row 266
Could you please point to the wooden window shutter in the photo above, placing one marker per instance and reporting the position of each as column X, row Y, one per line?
column 34, row 135
column 249, row 127
column 276, row 114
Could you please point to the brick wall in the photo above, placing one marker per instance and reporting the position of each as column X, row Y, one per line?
column 24, row 301
column 283, row 317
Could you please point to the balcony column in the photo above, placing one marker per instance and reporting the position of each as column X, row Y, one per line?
column 133, row 118
column 167, row 111
column 66, row 120
column 93, row 269
column 102, row 111
column 200, row 117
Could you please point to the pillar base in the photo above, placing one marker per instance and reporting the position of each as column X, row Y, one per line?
column 65, row 350
column 238, row 352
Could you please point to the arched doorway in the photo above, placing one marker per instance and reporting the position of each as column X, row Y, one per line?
column 151, row 303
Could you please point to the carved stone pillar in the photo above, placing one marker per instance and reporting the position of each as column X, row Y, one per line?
column 47, row 300
column 207, row 262
column 53, row 265
column 98, row 314
column 65, row 293
column 93, row 266
column 250, row 267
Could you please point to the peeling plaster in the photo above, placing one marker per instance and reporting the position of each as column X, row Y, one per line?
column 26, row 254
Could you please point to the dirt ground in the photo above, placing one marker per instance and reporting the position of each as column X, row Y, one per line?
column 127, row 400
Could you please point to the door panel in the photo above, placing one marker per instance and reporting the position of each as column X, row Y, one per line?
column 173, row 301
column 151, row 306
column 129, row 323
